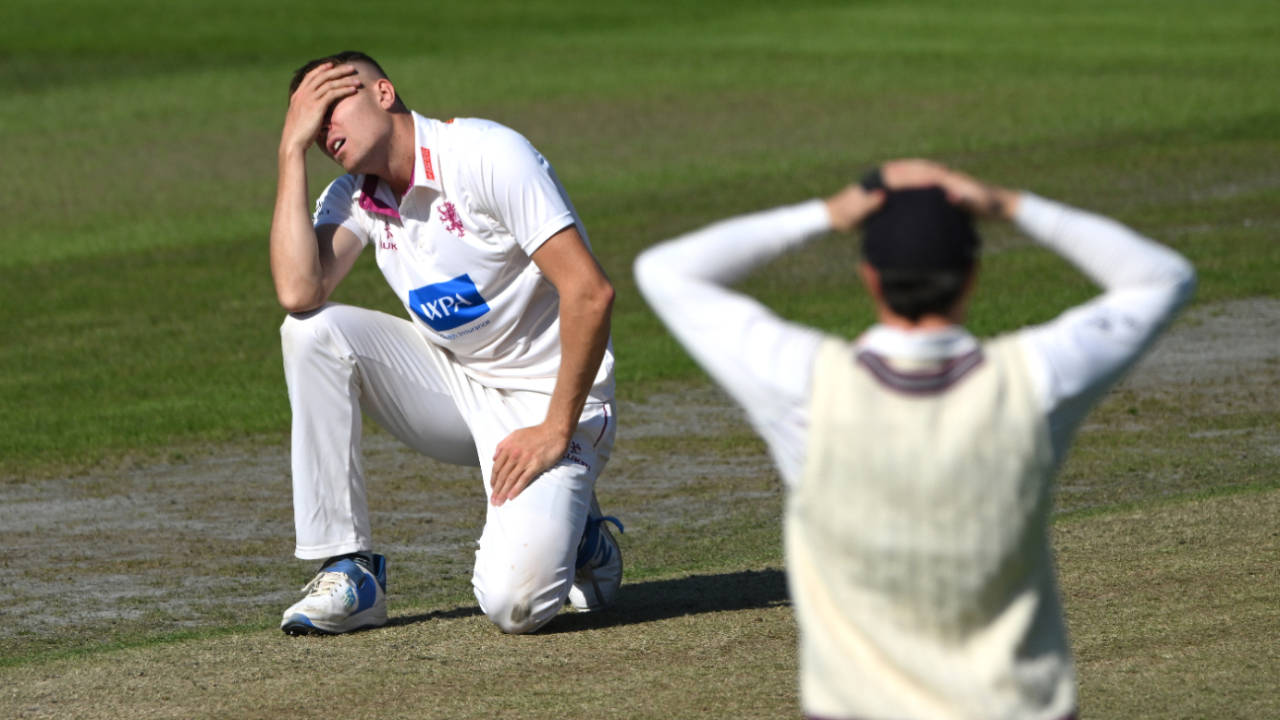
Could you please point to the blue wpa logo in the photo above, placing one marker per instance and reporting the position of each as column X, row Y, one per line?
column 446, row 305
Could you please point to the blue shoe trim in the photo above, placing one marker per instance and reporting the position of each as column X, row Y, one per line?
column 590, row 543
column 299, row 624
column 366, row 592
column 380, row 571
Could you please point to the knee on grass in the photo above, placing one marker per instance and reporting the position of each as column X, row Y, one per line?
column 517, row 612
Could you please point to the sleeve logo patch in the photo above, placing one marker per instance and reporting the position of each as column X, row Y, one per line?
column 449, row 304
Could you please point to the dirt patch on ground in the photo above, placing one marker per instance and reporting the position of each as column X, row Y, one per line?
column 111, row 556
column 1238, row 340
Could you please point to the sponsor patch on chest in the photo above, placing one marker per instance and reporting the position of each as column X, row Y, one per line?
column 449, row 304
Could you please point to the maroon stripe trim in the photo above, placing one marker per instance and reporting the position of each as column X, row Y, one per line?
column 930, row 382
column 605, row 427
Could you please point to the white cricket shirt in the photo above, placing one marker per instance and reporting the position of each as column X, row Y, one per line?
column 456, row 248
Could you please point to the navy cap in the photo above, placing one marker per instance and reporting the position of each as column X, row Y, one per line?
column 918, row 229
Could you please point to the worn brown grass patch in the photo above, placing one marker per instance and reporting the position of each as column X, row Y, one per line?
column 1173, row 609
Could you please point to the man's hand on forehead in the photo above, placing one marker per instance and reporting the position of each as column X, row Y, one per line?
column 311, row 104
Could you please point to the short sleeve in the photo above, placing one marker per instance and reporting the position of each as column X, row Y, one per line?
column 519, row 189
column 335, row 206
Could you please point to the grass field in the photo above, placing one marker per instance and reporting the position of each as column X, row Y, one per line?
column 146, row 533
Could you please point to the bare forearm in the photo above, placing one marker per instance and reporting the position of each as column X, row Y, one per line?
column 528, row 452
column 584, row 335
column 302, row 266
column 296, row 266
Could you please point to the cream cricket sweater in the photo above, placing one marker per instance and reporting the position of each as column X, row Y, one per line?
column 917, row 545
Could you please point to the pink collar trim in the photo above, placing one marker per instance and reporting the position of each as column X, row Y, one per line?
column 424, row 132
column 370, row 202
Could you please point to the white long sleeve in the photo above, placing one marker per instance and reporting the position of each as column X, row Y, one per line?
column 1086, row 349
column 765, row 363
column 762, row 361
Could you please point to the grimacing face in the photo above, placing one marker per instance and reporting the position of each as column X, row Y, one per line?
column 355, row 126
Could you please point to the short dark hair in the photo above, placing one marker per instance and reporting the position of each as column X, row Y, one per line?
column 342, row 58
column 912, row 294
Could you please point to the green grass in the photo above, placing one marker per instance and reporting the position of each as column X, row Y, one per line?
column 138, row 331
column 136, row 309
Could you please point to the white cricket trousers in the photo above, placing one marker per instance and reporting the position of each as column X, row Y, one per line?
column 339, row 360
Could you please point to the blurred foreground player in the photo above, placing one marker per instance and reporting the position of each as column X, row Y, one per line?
column 503, row 361
column 919, row 458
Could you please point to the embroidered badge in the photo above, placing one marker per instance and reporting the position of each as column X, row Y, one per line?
column 573, row 455
column 449, row 216
column 390, row 242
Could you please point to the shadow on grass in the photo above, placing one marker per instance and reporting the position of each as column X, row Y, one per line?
column 456, row 613
column 693, row 595
column 654, row 600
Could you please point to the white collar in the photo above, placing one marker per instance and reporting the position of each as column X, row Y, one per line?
column 426, row 160
column 944, row 342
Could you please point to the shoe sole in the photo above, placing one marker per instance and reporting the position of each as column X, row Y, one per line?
column 302, row 625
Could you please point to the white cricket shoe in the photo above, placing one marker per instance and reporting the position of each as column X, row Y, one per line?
column 599, row 564
column 342, row 597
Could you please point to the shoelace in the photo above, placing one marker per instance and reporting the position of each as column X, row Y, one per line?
column 323, row 583
column 596, row 522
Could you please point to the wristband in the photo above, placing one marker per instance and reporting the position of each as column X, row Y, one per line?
column 873, row 180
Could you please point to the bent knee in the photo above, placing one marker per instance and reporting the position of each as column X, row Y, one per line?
column 301, row 322
column 305, row 332
column 519, row 613
column 517, row 619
